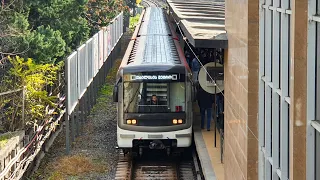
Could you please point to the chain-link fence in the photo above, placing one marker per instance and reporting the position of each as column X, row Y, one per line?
column 12, row 105
column 12, row 100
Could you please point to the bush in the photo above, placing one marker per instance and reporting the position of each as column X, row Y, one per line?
column 134, row 21
column 34, row 77
column 46, row 44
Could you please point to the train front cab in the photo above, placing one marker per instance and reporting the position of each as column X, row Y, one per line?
column 166, row 125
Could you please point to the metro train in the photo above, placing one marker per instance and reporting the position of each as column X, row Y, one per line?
column 154, row 89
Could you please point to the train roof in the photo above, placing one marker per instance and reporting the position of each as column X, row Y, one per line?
column 153, row 47
column 154, row 22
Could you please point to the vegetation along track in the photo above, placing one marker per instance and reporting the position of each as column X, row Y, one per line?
column 157, row 165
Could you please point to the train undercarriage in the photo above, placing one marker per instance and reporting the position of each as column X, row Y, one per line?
column 140, row 146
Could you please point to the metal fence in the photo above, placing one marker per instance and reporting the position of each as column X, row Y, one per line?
column 12, row 109
column 86, row 69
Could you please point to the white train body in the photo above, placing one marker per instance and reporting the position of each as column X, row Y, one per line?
column 154, row 66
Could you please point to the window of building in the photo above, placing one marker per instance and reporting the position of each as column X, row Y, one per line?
column 274, row 89
column 313, row 94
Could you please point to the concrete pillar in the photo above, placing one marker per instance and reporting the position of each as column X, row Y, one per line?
column 298, row 87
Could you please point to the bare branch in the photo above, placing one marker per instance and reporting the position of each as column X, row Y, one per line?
column 6, row 8
column 14, row 53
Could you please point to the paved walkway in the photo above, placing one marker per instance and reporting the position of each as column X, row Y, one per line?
column 209, row 155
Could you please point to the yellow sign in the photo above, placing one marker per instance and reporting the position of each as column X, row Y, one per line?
column 138, row 1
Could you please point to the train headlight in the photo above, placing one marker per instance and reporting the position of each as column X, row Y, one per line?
column 180, row 121
column 134, row 121
column 174, row 121
column 129, row 121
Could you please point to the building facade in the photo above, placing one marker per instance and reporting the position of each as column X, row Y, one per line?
column 241, row 90
column 272, row 87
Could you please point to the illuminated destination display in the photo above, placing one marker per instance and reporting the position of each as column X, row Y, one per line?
column 154, row 77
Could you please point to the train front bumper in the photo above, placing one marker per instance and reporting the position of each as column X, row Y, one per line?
column 125, row 137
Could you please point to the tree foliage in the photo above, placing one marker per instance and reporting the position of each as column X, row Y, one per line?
column 46, row 44
column 28, row 28
column 38, row 35
column 26, row 74
column 101, row 12
column 66, row 16
column 13, row 27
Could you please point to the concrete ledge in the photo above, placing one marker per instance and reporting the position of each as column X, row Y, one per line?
column 14, row 144
column 204, row 157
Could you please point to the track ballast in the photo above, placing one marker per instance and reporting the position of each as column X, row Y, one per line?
column 157, row 165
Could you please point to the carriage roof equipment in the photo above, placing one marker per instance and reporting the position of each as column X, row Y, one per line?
column 153, row 48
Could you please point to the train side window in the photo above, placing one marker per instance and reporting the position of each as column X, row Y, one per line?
column 115, row 93
column 193, row 93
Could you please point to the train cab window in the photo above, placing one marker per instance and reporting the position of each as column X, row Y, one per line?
column 145, row 97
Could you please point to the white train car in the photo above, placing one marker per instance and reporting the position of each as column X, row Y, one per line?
column 154, row 89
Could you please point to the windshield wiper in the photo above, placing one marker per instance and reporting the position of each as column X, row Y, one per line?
column 131, row 100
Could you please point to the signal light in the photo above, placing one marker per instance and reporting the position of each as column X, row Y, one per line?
column 174, row 121
column 133, row 121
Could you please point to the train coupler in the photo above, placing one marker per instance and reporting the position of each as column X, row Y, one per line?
column 157, row 144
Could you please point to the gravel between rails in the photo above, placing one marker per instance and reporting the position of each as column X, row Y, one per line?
column 96, row 143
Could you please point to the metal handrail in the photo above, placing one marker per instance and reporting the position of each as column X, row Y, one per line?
column 316, row 125
column 221, row 144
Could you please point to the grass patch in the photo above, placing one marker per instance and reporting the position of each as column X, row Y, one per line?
column 111, row 77
column 73, row 166
column 134, row 21
column 4, row 139
column 56, row 176
column 106, row 90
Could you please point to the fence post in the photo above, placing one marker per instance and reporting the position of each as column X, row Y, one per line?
column 87, row 102
column 23, row 108
column 73, row 118
column 221, row 145
column 84, row 108
column 94, row 90
column 67, row 108
column 90, row 97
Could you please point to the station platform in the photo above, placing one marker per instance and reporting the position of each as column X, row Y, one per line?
column 209, row 155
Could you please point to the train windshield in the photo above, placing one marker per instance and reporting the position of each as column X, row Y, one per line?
column 146, row 97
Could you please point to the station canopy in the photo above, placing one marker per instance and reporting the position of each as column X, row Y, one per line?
column 202, row 21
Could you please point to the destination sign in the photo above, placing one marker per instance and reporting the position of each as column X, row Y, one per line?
column 154, row 77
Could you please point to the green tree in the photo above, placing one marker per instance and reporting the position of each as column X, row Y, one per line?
column 67, row 16
column 46, row 31
column 34, row 77
column 46, row 45
column 13, row 27
column 101, row 12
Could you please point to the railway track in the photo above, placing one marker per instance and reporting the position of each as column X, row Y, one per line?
column 150, row 3
column 158, row 166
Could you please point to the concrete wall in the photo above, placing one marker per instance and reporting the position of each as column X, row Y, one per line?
column 11, row 148
column 241, row 84
column 241, row 90
column 298, row 111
